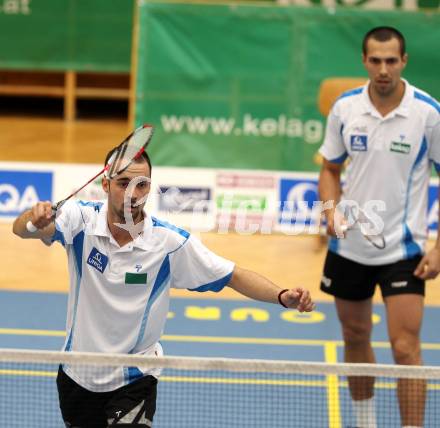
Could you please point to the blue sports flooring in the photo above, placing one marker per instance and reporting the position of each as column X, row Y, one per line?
column 214, row 328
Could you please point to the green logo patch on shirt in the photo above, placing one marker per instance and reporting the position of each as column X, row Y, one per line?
column 404, row 148
column 135, row 278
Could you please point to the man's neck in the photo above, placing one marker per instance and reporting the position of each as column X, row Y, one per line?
column 122, row 232
column 386, row 104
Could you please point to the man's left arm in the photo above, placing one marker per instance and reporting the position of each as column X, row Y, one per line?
column 257, row 287
column 429, row 266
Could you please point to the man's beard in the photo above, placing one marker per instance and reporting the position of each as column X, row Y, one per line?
column 136, row 214
column 385, row 90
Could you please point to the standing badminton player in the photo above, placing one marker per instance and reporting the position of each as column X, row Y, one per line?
column 390, row 130
column 122, row 264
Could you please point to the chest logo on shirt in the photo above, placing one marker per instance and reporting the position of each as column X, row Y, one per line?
column 400, row 147
column 136, row 278
column 358, row 143
column 97, row 260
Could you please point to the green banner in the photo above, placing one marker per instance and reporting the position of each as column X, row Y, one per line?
column 79, row 35
column 431, row 5
column 236, row 86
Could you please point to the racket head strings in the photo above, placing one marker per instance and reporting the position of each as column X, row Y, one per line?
column 129, row 150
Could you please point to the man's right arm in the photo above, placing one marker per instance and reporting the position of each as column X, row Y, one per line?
column 329, row 188
column 41, row 217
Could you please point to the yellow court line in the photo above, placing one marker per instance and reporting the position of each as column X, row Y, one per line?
column 333, row 404
column 32, row 332
column 27, row 373
column 185, row 338
column 217, row 339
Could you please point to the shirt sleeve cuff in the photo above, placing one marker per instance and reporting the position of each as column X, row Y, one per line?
column 216, row 285
column 334, row 159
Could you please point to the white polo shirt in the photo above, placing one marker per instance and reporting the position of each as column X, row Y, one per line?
column 390, row 161
column 119, row 296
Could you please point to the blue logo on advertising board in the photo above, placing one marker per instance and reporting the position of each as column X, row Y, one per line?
column 184, row 199
column 297, row 201
column 20, row 190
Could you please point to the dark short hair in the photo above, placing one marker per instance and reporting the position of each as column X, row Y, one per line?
column 144, row 155
column 383, row 34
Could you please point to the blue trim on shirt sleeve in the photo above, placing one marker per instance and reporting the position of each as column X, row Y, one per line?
column 436, row 166
column 428, row 100
column 351, row 92
column 340, row 159
column 215, row 286
column 179, row 247
column 159, row 223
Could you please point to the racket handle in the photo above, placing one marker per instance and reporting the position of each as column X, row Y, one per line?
column 31, row 227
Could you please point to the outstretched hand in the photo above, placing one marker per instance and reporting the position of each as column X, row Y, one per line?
column 42, row 214
column 429, row 266
column 298, row 298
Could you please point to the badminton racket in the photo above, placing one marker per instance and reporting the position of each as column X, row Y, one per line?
column 128, row 151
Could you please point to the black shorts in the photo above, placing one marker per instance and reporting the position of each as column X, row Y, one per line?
column 350, row 280
column 132, row 405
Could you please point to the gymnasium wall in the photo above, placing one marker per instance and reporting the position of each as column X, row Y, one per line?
column 232, row 90
column 78, row 35
column 236, row 86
